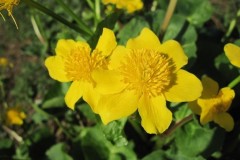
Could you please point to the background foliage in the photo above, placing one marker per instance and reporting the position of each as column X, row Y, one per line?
column 52, row 131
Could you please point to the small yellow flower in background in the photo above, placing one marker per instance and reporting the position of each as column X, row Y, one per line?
column 8, row 5
column 143, row 75
column 232, row 51
column 3, row 62
column 130, row 5
column 75, row 61
column 213, row 104
column 15, row 116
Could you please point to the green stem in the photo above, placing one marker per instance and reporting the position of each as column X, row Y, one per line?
column 97, row 12
column 234, row 82
column 178, row 124
column 56, row 17
column 168, row 16
column 81, row 24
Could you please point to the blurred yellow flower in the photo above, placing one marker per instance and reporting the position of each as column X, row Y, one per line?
column 213, row 104
column 15, row 116
column 232, row 51
column 74, row 61
column 143, row 76
column 129, row 5
column 3, row 62
column 8, row 5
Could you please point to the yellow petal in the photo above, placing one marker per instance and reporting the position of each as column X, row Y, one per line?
column 55, row 66
column 116, row 106
column 227, row 95
column 108, row 81
column 225, row 120
column 147, row 40
column 174, row 50
column 74, row 93
column 186, row 88
column 156, row 117
column 232, row 51
column 64, row 46
column 210, row 87
column 118, row 56
column 107, row 42
column 207, row 110
column 91, row 96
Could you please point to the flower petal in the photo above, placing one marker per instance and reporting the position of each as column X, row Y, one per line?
column 91, row 96
column 107, row 42
column 225, row 120
column 232, row 51
column 64, row 46
column 156, row 117
column 118, row 56
column 116, row 106
column 174, row 50
column 227, row 95
column 207, row 112
column 74, row 93
column 210, row 87
column 108, row 81
column 187, row 88
column 147, row 40
column 194, row 107
column 55, row 66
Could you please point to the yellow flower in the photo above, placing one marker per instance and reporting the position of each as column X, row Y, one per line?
column 15, row 116
column 8, row 5
column 143, row 76
column 232, row 51
column 213, row 104
column 129, row 5
column 4, row 62
column 74, row 61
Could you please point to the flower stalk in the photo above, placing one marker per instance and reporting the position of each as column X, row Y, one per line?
column 57, row 17
column 168, row 16
column 234, row 82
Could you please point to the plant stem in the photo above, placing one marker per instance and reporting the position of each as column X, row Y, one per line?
column 168, row 16
column 234, row 82
column 178, row 124
column 56, row 17
column 97, row 12
column 12, row 133
column 81, row 24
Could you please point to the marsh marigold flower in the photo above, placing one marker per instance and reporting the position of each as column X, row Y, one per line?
column 15, row 116
column 129, row 5
column 143, row 75
column 213, row 104
column 75, row 61
column 232, row 51
column 8, row 5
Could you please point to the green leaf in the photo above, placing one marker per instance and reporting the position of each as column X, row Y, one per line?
column 192, row 140
column 5, row 143
column 155, row 19
column 132, row 29
column 156, row 155
column 114, row 132
column 197, row 12
column 93, row 141
column 124, row 152
column 54, row 102
column 57, row 152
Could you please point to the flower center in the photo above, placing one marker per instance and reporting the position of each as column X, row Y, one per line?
column 81, row 62
column 148, row 72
